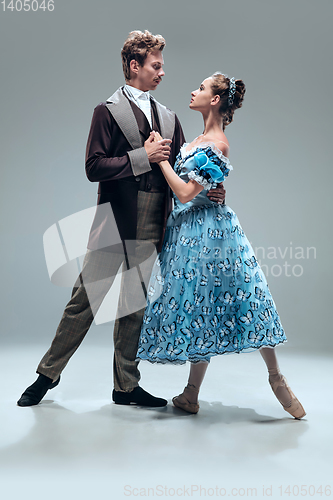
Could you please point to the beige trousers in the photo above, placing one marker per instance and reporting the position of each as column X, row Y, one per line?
column 97, row 276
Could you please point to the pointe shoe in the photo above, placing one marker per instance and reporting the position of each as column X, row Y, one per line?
column 295, row 409
column 183, row 403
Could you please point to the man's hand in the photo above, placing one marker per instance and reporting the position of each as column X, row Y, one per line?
column 157, row 150
column 217, row 194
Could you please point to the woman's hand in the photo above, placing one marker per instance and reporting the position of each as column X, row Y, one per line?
column 157, row 136
column 157, row 149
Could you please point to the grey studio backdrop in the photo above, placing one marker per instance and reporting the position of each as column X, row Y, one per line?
column 57, row 66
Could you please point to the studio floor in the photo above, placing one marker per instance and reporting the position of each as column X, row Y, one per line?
column 78, row 444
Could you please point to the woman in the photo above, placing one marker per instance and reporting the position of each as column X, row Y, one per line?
column 207, row 294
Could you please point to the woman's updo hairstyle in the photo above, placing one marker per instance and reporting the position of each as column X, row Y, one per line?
column 231, row 94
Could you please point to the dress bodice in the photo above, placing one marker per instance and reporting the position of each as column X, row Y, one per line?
column 206, row 165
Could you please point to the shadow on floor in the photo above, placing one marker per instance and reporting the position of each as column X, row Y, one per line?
column 68, row 431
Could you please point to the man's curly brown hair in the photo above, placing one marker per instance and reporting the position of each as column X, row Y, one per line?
column 137, row 46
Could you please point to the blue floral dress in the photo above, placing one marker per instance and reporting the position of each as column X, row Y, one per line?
column 207, row 294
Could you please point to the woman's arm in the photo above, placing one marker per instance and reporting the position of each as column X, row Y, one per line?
column 185, row 191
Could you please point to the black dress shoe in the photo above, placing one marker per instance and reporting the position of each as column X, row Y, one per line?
column 35, row 392
column 138, row 396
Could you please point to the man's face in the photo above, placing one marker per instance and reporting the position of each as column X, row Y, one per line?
column 148, row 76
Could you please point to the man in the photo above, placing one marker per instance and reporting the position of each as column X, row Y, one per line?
column 122, row 156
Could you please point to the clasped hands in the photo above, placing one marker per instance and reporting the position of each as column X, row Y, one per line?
column 158, row 149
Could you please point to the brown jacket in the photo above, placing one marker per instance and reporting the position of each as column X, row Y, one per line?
column 116, row 158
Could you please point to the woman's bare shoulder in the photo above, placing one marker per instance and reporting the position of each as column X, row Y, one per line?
column 222, row 145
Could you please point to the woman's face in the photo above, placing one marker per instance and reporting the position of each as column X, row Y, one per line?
column 203, row 96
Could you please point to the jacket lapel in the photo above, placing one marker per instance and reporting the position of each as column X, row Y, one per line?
column 166, row 119
column 122, row 112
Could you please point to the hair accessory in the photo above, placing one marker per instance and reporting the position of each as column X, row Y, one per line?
column 232, row 90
